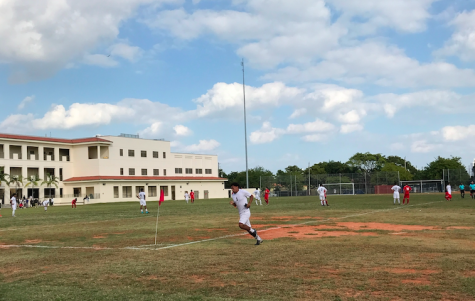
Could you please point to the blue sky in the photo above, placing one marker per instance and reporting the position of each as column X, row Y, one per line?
column 324, row 78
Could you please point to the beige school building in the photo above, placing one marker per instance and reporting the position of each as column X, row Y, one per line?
column 106, row 168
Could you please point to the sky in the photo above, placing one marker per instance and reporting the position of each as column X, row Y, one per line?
column 324, row 78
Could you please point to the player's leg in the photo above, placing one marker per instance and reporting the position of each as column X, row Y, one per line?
column 141, row 207
column 245, row 224
column 13, row 211
column 256, row 201
column 146, row 210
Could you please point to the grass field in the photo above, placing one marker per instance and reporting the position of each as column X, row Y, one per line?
column 359, row 248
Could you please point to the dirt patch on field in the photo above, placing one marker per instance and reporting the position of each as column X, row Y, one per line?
column 384, row 226
column 212, row 230
column 412, row 271
column 459, row 228
column 98, row 236
column 308, row 232
column 33, row 241
column 197, row 279
column 419, row 281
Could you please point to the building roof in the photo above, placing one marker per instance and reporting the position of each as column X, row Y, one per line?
column 142, row 178
column 49, row 139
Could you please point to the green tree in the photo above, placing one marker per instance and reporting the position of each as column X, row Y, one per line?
column 49, row 181
column 404, row 174
column 336, row 167
column 255, row 175
column 434, row 170
column 402, row 162
column 366, row 162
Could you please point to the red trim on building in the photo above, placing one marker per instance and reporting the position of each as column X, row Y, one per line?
column 141, row 178
column 48, row 139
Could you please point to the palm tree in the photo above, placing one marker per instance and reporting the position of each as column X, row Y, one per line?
column 17, row 180
column 49, row 181
column 33, row 181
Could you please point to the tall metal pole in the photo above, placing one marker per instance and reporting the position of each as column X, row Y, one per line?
column 245, row 123
column 308, row 178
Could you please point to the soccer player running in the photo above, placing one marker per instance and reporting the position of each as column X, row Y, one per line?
column 472, row 190
column 322, row 192
column 257, row 196
column 407, row 190
column 143, row 202
column 240, row 202
column 448, row 192
column 192, row 196
column 462, row 190
column 396, row 188
column 266, row 195
column 13, row 203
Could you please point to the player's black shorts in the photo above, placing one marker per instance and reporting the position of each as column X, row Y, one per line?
column 472, row 191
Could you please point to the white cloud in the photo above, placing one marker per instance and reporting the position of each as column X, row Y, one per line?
column 181, row 130
column 310, row 127
column 422, row 146
column 457, row 133
column 266, row 134
column 298, row 113
column 462, row 42
column 26, row 101
column 153, row 130
column 352, row 116
column 203, row 145
column 349, row 128
column 314, row 137
column 130, row 53
column 41, row 37
column 99, row 60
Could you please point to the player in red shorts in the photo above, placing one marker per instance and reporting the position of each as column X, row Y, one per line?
column 407, row 189
column 73, row 203
column 266, row 195
column 448, row 192
column 192, row 196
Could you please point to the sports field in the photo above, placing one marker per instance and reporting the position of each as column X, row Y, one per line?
column 359, row 248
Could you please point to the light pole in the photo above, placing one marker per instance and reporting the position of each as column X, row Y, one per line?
column 245, row 126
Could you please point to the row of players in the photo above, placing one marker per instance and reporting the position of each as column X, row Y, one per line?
column 448, row 192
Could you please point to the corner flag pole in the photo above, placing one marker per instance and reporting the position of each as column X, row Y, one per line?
column 156, row 227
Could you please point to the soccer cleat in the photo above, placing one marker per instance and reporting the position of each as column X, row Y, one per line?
column 258, row 242
column 147, row 212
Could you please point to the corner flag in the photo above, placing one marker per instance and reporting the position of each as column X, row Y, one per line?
column 162, row 198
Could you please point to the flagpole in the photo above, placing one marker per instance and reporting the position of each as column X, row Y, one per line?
column 156, row 227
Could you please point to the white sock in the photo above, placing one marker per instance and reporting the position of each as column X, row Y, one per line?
column 141, row 210
column 258, row 237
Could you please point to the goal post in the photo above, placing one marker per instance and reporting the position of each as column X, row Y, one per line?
column 340, row 188
column 424, row 186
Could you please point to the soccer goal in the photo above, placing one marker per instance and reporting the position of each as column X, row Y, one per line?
column 425, row 186
column 340, row 188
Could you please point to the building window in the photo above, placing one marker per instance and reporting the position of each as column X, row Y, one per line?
column 164, row 155
column 155, row 155
column 131, row 171
column 143, row 154
column 208, row 171
column 61, row 192
column 116, row 192
column 156, row 172
column 61, row 174
column 121, row 171
column 144, row 172
column 131, row 153
column 178, row 170
column 199, row 171
column 126, row 191
column 188, row 171
column 164, row 172
column 152, row 191
column 165, row 190
column 121, row 152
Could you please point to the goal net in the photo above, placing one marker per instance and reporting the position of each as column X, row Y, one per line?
column 425, row 186
column 340, row 188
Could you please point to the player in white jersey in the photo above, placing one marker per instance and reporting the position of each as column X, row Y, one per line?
column 240, row 202
column 321, row 192
column 187, row 196
column 448, row 192
column 45, row 204
column 143, row 203
column 257, row 196
column 396, row 188
column 13, row 202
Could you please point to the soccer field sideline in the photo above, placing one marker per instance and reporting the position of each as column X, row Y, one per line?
column 169, row 246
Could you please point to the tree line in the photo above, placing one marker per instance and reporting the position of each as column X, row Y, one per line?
column 358, row 163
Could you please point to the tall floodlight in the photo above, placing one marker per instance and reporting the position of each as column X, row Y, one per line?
column 245, row 126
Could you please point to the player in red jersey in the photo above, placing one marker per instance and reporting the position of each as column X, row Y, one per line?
column 73, row 203
column 192, row 196
column 407, row 189
column 266, row 195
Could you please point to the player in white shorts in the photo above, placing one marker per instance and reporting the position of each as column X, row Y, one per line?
column 143, row 203
column 257, row 196
column 240, row 202
column 45, row 204
column 321, row 192
column 396, row 188
column 13, row 202
column 187, row 196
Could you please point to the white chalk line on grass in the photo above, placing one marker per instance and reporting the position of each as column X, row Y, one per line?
column 147, row 247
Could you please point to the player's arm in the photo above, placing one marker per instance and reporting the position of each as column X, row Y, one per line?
column 232, row 203
column 251, row 198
